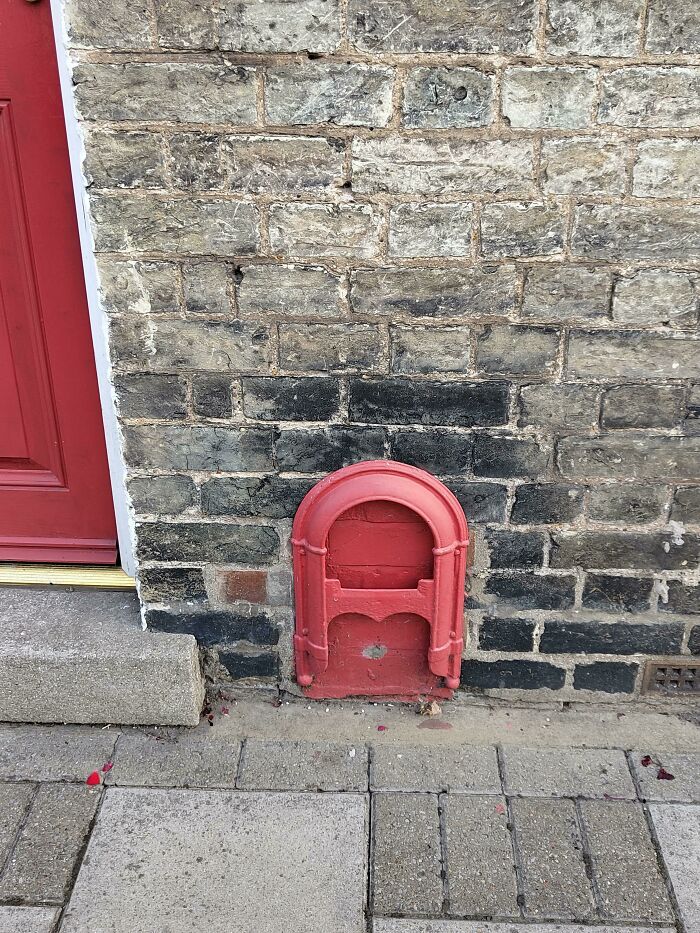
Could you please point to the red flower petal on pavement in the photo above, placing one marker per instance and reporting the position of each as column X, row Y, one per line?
column 93, row 778
column 664, row 775
column 646, row 761
column 382, row 728
column 500, row 808
column 107, row 766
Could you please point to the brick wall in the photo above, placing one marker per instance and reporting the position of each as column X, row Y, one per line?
column 465, row 235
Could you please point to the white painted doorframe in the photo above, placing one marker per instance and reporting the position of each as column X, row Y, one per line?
column 98, row 318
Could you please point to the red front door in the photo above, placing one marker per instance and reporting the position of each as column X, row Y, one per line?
column 55, row 499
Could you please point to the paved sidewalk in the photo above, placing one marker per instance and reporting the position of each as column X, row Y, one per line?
column 216, row 830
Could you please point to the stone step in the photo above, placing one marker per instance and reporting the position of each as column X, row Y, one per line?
column 82, row 657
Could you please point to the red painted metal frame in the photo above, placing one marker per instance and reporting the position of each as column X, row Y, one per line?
column 319, row 600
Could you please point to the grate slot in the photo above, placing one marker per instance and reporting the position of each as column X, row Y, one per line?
column 674, row 677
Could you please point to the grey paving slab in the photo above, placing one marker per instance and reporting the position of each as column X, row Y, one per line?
column 685, row 786
column 472, row 926
column 406, row 858
column 480, row 865
column 40, row 869
column 53, row 753
column 554, row 878
column 462, row 768
column 14, row 800
column 224, row 862
column 303, row 766
column 28, row 919
column 678, row 831
column 185, row 760
column 626, row 875
column 570, row 772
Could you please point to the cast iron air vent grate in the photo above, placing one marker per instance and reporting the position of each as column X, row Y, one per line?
column 671, row 678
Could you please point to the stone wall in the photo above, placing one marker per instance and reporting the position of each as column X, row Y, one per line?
column 464, row 234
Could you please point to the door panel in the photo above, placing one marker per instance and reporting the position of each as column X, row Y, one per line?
column 55, row 498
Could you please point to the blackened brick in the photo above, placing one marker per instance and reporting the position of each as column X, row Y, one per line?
column 511, row 675
column 211, row 396
column 502, row 456
column 611, row 638
column 506, row 634
column 251, row 496
column 546, row 504
column 215, row 627
column 320, row 450
column 606, row 677
column 482, row 502
column 633, row 505
column 163, row 584
column 437, row 451
column 162, row 495
column 682, row 597
column 694, row 640
column 686, row 505
column 513, row 549
column 642, row 406
column 624, row 551
column 151, row 395
column 287, row 398
column 240, row 664
column 532, row 591
column 206, row 541
column 616, row 594
column 402, row 401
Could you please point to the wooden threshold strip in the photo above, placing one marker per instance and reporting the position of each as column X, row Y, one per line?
column 104, row 578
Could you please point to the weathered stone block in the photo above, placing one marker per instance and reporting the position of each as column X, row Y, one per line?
column 616, row 594
column 583, row 165
column 281, row 164
column 686, row 505
column 657, row 296
column 184, row 92
column 691, row 423
column 592, row 27
column 549, row 97
column 162, row 495
column 343, row 230
column 286, row 398
column 515, row 228
column 632, row 505
column 624, row 551
column 652, row 96
column 211, row 396
column 514, row 550
column 147, row 395
column 434, row 292
column 630, row 457
column 222, row 543
column 546, row 504
column 412, row 26
column 429, row 349
column 514, row 349
column 280, row 26
column 195, row 161
column 531, row 591
column 632, row 355
column 186, row 24
column 430, row 230
column 109, row 24
column 499, row 455
column 506, row 634
column 511, row 675
column 289, row 290
column 246, row 585
column 163, row 584
column 344, row 94
column 254, row 496
column 325, row 347
column 316, row 450
column 124, row 160
column 199, row 447
column 564, row 408
column 667, row 168
column 442, row 452
column 405, row 165
column 181, row 226
column 146, row 343
column 682, row 597
column 611, row 638
column 561, row 293
column 606, row 677
column 443, row 97
column 403, row 401
column 206, row 287
column 482, row 502
column 643, row 406
column 215, row 627
column 673, row 26
column 138, row 286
